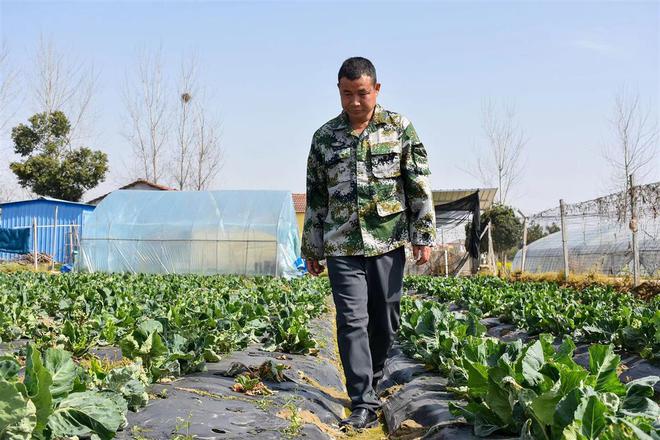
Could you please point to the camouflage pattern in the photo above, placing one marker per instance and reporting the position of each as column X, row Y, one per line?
column 367, row 194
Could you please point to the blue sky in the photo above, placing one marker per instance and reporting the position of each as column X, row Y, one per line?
column 271, row 70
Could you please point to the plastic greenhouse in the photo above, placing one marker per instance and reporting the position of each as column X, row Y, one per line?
column 598, row 236
column 604, row 248
column 203, row 232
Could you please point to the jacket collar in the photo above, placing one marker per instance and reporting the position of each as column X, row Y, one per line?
column 379, row 117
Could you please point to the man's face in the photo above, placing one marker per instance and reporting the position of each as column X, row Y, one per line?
column 358, row 96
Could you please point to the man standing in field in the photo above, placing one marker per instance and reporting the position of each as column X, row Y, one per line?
column 368, row 194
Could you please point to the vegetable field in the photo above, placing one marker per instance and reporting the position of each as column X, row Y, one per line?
column 164, row 327
column 99, row 355
column 593, row 314
column 535, row 389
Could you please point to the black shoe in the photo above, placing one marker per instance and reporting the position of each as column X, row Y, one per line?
column 361, row 418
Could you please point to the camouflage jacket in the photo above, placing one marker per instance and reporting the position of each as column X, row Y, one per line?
column 367, row 194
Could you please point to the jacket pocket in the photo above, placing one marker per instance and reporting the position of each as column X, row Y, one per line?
column 386, row 160
column 389, row 207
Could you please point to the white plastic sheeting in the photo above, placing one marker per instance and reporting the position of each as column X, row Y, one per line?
column 598, row 236
column 202, row 232
column 599, row 246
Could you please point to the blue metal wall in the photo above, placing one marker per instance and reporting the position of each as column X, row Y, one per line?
column 21, row 214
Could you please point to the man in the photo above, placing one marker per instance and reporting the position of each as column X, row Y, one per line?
column 368, row 194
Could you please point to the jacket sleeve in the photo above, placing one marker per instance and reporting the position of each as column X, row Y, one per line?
column 419, row 198
column 317, row 205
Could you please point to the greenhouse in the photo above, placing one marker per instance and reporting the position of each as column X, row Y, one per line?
column 598, row 236
column 605, row 248
column 202, row 232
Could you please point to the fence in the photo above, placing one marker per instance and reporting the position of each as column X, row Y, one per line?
column 59, row 242
column 615, row 235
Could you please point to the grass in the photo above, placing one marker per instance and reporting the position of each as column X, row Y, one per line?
column 295, row 420
column 137, row 433
column 582, row 281
column 265, row 403
column 12, row 266
column 182, row 429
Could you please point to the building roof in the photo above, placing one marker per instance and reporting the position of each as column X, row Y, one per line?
column 151, row 184
column 299, row 202
column 486, row 196
column 44, row 199
column 132, row 184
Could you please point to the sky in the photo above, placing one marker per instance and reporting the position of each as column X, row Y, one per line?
column 270, row 70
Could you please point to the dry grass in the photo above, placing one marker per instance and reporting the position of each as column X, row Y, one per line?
column 646, row 290
column 13, row 266
column 573, row 280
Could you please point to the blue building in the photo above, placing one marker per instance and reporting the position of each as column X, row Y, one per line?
column 61, row 239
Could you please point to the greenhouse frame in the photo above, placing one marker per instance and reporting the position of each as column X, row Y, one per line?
column 598, row 236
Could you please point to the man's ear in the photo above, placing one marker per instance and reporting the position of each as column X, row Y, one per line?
column 377, row 87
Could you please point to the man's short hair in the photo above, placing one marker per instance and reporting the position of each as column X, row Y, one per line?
column 354, row 67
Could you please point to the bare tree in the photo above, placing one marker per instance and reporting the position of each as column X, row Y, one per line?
column 145, row 99
column 8, row 87
column 9, row 97
column 197, row 155
column 207, row 159
column 63, row 84
column 185, row 136
column 635, row 141
column 7, row 189
column 10, row 190
column 501, row 164
column 192, row 152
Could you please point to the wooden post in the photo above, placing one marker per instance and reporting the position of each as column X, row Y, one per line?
column 76, row 241
column 76, row 236
column 633, row 228
column 52, row 264
column 564, row 237
column 442, row 243
column 524, row 248
column 491, row 250
column 70, row 235
column 35, row 243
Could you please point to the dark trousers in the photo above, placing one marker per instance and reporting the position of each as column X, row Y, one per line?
column 367, row 294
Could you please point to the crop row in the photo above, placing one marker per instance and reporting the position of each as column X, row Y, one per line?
column 594, row 314
column 534, row 390
column 165, row 326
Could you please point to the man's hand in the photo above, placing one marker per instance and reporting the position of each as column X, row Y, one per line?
column 315, row 267
column 421, row 254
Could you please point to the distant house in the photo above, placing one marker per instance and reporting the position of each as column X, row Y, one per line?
column 299, row 204
column 141, row 184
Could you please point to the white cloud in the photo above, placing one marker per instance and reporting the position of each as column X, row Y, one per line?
column 595, row 46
